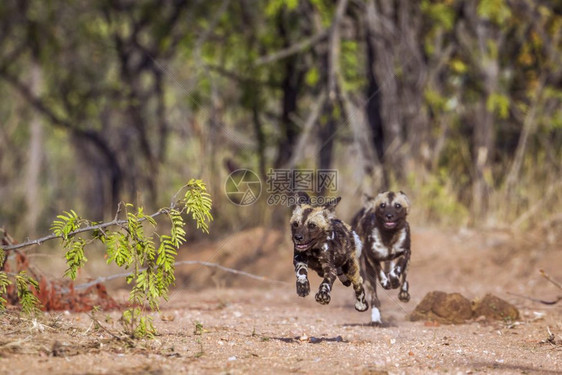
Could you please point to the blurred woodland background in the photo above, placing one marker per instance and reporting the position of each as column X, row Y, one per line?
column 458, row 103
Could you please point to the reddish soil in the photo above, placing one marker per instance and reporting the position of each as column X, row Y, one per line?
column 219, row 322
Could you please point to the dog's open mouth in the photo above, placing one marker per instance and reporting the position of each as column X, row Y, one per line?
column 390, row 224
column 303, row 246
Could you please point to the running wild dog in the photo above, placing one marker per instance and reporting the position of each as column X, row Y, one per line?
column 328, row 246
column 381, row 224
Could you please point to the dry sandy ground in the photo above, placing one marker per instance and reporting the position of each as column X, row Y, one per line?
column 223, row 323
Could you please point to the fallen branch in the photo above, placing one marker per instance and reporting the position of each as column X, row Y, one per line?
column 103, row 279
column 558, row 299
column 16, row 343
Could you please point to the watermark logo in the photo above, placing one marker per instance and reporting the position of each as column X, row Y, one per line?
column 243, row 187
column 282, row 184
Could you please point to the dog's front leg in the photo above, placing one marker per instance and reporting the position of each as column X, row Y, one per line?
column 385, row 282
column 300, row 261
column 400, row 270
column 353, row 275
column 328, row 273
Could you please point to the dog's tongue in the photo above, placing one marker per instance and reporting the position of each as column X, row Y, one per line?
column 390, row 224
column 302, row 246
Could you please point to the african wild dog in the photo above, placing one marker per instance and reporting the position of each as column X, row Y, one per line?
column 381, row 224
column 328, row 246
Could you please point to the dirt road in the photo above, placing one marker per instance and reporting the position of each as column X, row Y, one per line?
column 241, row 326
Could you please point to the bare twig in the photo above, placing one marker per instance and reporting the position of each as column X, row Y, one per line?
column 89, row 228
column 295, row 48
column 106, row 330
column 547, row 276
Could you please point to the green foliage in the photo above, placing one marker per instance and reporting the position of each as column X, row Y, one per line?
column 196, row 95
column 4, row 283
column 354, row 79
column 312, row 76
column 495, row 10
column 29, row 302
column 67, row 223
column 275, row 6
column 75, row 258
column 198, row 329
column 137, row 324
column 437, row 195
column 136, row 242
column 441, row 13
column 498, row 104
column 198, row 202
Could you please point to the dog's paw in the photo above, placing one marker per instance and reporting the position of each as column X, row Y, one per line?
column 394, row 281
column 385, row 283
column 404, row 296
column 361, row 305
column 303, row 288
column 323, row 295
column 394, row 277
column 323, row 298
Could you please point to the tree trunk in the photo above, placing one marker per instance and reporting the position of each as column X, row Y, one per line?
column 292, row 81
column 483, row 140
column 36, row 153
column 385, row 41
column 373, row 106
column 415, row 119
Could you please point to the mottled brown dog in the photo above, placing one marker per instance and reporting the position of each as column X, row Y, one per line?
column 328, row 246
column 381, row 224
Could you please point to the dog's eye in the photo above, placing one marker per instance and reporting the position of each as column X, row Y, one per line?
column 397, row 206
column 295, row 224
column 383, row 205
column 311, row 225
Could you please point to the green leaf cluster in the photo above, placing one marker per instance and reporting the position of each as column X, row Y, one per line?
column 29, row 302
column 138, row 324
column 4, row 283
column 65, row 227
column 137, row 242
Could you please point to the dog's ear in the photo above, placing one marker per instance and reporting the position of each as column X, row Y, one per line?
column 332, row 203
column 406, row 199
column 368, row 197
column 302, row 198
